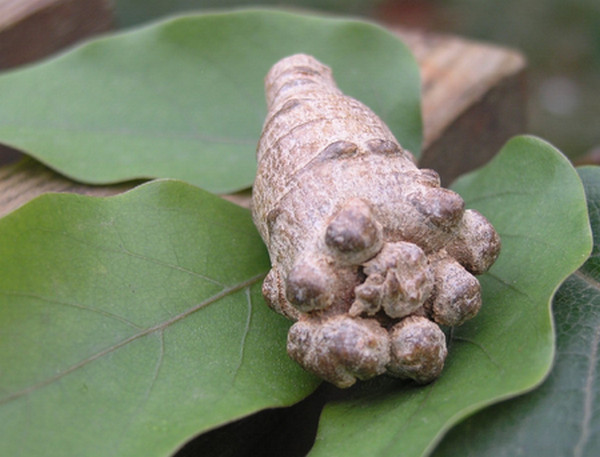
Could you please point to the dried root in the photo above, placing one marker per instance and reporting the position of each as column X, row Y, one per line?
column 369, row 254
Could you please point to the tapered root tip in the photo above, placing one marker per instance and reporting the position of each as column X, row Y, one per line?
column 310, row 286
column 354, row 234
column 477, row 245
column 418, row 350
column 457, row 294
column 441, row 207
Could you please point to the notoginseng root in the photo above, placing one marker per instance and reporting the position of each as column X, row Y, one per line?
column 369, row 254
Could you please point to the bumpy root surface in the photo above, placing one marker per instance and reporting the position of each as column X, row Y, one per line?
column 370, row 255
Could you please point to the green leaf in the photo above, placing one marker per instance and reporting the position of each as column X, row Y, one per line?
column 561, row 417
column 535, row 200
column 129, row 324
column 184, row 98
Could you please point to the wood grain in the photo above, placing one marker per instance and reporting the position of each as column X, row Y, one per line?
column 474, row 98
column 32, row 29
column 26, row 179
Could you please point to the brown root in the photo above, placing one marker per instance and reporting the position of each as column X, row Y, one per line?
column 369, row 253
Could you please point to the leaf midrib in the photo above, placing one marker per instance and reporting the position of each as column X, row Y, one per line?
column 158, row 327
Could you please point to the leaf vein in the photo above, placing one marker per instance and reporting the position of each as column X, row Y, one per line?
column 158, row 365
column 159, row 327
column 244, row 336
column 122, row 250
column 510, row 286
column 169, row 265
column 135, row 255
column 101, row 312
column 480, row 347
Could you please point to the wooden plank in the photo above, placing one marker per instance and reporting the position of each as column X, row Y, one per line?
column 473, row 101
column 27, row 179
column 32, row 29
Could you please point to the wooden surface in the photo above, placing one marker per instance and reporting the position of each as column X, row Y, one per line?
column 32, row 29
column 23, row 180
column 474, row 99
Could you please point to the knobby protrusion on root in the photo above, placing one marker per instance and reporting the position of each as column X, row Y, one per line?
column 399, row 280
column 370, row 256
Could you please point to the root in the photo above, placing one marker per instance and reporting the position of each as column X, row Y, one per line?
column 369, row 254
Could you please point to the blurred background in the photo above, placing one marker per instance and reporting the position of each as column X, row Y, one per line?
column 560, row 39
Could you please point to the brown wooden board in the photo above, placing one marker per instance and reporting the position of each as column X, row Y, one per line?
column 32, row 29
column 474, row 99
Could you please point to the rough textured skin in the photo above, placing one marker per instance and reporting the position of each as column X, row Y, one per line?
column 367, row 250
column 340, row 348
column 418, row 349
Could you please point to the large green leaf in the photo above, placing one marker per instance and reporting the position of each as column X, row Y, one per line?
column 128, row 324
column 561, row 417
column 184, row 98
column 535, row 199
